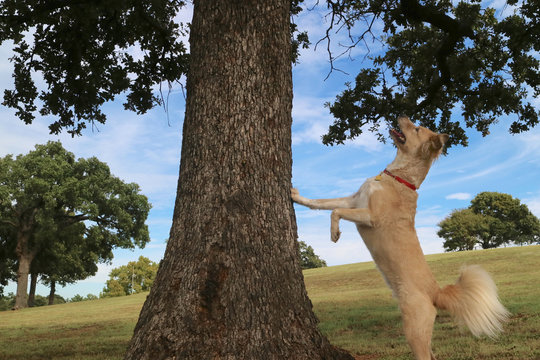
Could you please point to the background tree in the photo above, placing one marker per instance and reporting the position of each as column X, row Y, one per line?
column 509, row 221
column 69, row 258
column 135, row 277
column 308, row 258
column 493, row 219
column 460, row 230
column 47, row 193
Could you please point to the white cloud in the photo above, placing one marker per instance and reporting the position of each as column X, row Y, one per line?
column 428, row 219
column 102, row 275
column 431, row 243
column 459, row 196
column 534, row 205
column 6, row 67
column 312, row 120
column 312, row 133
column 368, row 141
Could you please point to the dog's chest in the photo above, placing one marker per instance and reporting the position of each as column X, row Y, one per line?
column 365, row 192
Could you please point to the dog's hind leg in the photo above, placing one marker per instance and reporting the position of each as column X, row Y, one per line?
column 418, row 317
column 322, row 204
column 361, row 217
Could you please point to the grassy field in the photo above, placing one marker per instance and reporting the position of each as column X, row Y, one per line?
column 354, row 306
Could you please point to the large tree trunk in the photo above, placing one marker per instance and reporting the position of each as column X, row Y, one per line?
column 32, row 292
column 52, row 292
column 230, row 285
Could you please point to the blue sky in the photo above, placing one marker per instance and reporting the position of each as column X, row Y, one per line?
column 146, row 150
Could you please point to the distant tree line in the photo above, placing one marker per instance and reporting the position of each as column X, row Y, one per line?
column 7, row 302
column 60, row 217
column 492, row 220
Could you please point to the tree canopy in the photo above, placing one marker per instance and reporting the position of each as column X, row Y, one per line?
column 437, row 57
column 61, row 215
column 493, row 219
column 86, row 53
column 460, row 230
column 132, row 278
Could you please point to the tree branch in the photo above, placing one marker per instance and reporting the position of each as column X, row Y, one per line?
column 415, row 12
column 72, row 219
column 9, row 222
column 455, row 31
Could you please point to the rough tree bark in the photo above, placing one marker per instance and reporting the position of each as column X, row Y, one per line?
column 230, row 285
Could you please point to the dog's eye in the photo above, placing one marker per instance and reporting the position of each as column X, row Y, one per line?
column 417, row 129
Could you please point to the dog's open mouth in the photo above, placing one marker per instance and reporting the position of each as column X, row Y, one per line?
column 398, row 136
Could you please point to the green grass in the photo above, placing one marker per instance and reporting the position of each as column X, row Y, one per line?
column 356, row 310
column 358, row 313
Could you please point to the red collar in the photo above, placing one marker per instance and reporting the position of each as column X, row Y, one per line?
column 404, row 182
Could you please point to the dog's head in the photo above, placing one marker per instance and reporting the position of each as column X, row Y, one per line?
column 418, row 141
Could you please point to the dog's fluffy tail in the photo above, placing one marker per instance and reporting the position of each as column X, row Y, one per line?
column 473, row 302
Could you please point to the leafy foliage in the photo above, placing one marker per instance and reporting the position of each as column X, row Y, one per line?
column 439, row 56
column 460, row 230
column 87, row 53
column 308, row 258
column 508, row 219
column 7, row 256
column 492, row 220
column 135, row 277
column 7, row 301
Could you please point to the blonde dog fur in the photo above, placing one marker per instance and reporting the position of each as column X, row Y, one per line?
column 383, row 210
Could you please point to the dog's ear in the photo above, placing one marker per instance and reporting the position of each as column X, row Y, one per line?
column 438, row 141
column 434, row 145
column 444, row 138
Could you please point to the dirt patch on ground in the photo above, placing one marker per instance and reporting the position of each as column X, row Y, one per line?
column 365, row 357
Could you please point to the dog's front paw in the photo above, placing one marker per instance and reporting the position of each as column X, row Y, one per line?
column 334, row 235
column 295, row 195
column 334, row 226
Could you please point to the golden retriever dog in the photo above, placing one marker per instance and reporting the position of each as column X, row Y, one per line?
column 383, row 210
